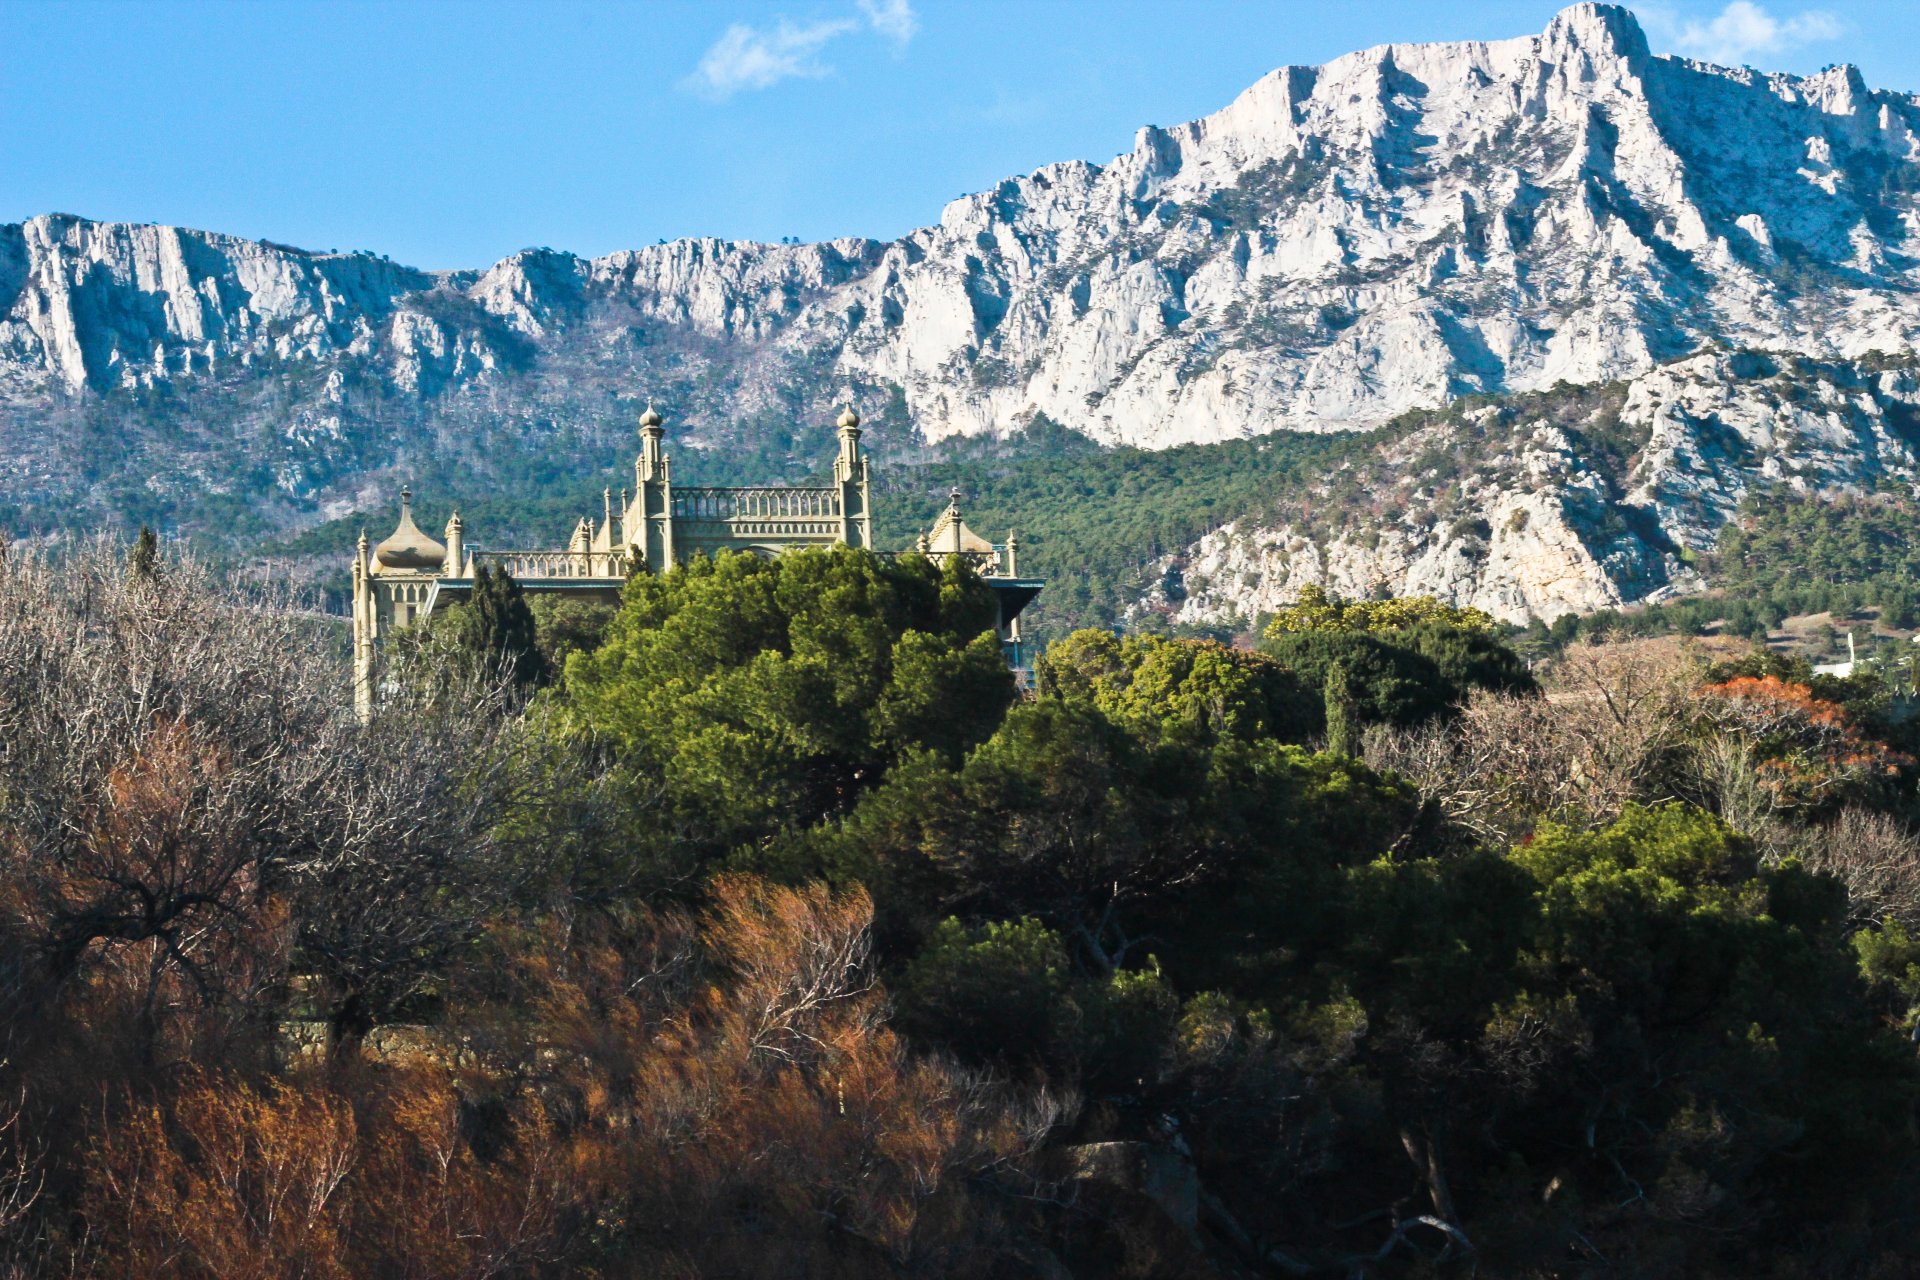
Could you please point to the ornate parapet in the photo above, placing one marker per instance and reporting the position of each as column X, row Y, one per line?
column 763, row 519
column 409, row 575
column 537, row 566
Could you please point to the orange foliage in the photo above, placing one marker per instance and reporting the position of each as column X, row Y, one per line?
column 1805, row 747
column 640, row 1095
column 364, row 1174
column 228, row 1181
column 158, row 863
column 768, row 1085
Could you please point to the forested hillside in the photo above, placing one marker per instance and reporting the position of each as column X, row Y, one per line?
column 761, row 927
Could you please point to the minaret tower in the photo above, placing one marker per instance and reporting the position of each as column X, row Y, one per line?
column 365, row 629
column 850, row 475
column 649, row 521
column 456, row 566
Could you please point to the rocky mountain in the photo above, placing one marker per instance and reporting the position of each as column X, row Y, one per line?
column 1399, row 228
column 1568, row 501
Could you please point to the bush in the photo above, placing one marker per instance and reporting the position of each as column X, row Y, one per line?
column 1389, row 683
column 744, row 697
column 1198, row 691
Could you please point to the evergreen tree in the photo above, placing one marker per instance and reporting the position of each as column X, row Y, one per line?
column 143, row 562
column 1343, row 732
column 747, row 696
column 504, row 630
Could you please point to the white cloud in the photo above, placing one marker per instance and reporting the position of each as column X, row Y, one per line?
column 894, row 19
column 1744, row 30
column 746, row 57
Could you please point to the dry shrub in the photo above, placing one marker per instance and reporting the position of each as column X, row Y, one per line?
column 151, row 737
column 456, row 1180
column 1876, row 856
column 1800, row 750
column 188, row 812
column 1609, row 729
column 651, row 1096
column 184, row 781
column 1632, row 722
column 359, row 1174
column 748, row 1107
column 643, row 1095
column 225, row 1181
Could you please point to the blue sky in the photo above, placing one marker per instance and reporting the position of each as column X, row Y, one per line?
column 450, row 134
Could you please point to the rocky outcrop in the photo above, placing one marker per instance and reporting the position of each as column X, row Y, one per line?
column 91, row 305
column 1567, row 503
column 1398, row 227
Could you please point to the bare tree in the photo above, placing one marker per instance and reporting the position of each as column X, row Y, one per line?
column 1876, row 856
column 184, row 780
column 1610, row 729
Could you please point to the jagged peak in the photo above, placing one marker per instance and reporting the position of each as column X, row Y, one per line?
column 1609, row 28
column 1838, row 90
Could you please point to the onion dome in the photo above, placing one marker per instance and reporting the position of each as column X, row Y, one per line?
column 848, row 419
column 651, row 418
column 408, row 547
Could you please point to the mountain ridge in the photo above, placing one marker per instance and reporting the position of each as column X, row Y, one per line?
column 1395, row 229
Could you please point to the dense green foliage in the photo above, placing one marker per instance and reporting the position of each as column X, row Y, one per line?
column 759, row 694
column 143, row 561
column 1396, row 662
column 781, row 934
column 503, row 628
column 1783, row 557
column 1318, row 609
column 1202, row 691
column 497, row 633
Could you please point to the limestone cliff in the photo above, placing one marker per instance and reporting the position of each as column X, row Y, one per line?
column 1401, row 227
column 1566, row 502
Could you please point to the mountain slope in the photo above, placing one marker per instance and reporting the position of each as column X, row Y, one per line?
column 1566, row 501
column 1399, row 228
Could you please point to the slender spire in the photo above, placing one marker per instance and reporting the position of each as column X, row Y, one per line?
column 652, row 463
column 455, row 564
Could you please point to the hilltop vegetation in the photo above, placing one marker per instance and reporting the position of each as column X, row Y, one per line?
column 763, row 928
column 1093, row 521
column 1787, row 556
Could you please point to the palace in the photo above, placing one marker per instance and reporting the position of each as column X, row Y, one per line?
column 409, row 575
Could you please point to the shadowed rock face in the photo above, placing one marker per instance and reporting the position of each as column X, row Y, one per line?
column 1397, row 228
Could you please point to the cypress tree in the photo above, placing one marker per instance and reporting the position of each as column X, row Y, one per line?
column 504, row 629
column 143, row 561
column 1343, row 729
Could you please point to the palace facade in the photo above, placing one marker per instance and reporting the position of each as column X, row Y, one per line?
column 408, row 575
